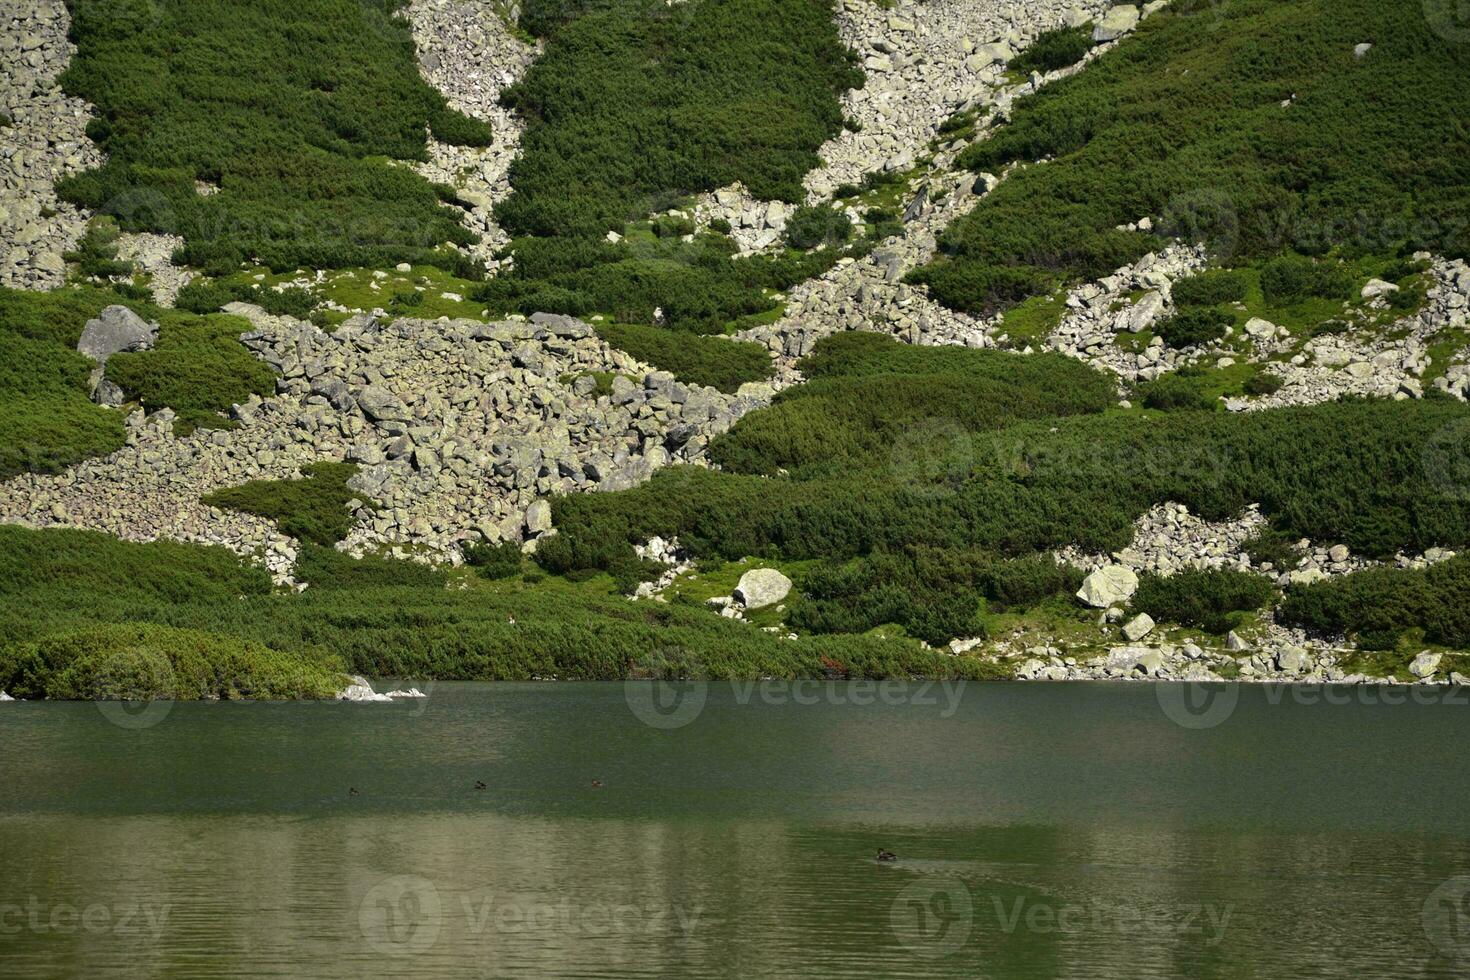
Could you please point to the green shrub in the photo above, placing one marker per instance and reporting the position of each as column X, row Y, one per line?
column 96, row 254
column 1263, row 383
column 143, row 662
column 324, row 567
column 1183, row 121
column 494, row 561
column 289, row 107
column 198, row 368
column 810, row 226
column 1379, row 605
column 1202, row 599
column 1053, row 50
column 1273, row 548
column 720, row 226
column 314, row 509
column 1195, row 327
column 1291, row 278
column 711, row 361
column 1210, row 288
column 1177, row 391
column 204, row 296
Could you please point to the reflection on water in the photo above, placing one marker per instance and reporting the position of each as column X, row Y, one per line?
column 1042, row 831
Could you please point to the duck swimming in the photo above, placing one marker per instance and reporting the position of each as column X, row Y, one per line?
column 886, row 855
column 597, row 784
column 479, row 784
column 352, row 791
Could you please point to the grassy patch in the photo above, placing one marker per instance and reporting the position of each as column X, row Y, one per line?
column 289, row 107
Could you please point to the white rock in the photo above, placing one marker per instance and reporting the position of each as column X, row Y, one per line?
column 5, row 697
column 1108, row 586
column 1138, row 627
column 1115, row 23
column 1377, row 287
column 1425, row 664
column 761, row 587
column 360, row 690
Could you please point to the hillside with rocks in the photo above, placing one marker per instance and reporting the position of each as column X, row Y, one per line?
column 514, row 366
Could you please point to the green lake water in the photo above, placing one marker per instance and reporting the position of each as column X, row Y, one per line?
column 1059, row 830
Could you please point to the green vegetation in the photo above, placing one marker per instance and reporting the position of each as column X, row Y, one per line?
column 143, row 662
column 635, row 103
column 1053, row 50
column 1273, row 548
column 1210, row 288
column 1188, row 125
column 713, row 361
column 869, row 468
column 809, row 227
column 1210, row 600
column 198, row 368
column 317, row 508
column 60, row 582
column 1195, row 327
column 288, row 107
column 635, row 106
column 96, row 254
column 495, row 561
column 1379, row 607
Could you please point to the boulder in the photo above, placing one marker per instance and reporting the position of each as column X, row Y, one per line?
column 1236, row 643
column 1138, row 627
column 1260, row 329
column 381, row 405
column 1108, row 586
column 1145, row 312
column 761, row 587
column 1377, row 287
column 5, row 697
column 538, row 517
column 1150, row 663
column 1115, row 23
column 358, row 689
column 1425, row 664
column 1291, row 660
column 115, row 330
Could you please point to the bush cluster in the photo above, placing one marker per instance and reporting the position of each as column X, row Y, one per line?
column 1291, row 278
column 1053, row 50
column 145, row 662
column 1378, row 606
column 1211, row 600
column 1186, row 124
column 813, row 225
column 715, row 362
column 314, row 509
column 1212, row 288
column 288, row 107
column 1194, row 327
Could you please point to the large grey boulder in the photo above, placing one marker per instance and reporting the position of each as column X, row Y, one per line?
column 538, row 517
column 1138, row 627
column 5, row 697
column 116, row 329
column 1110, row 585
column 1115, row 23
column 762, row 587
column 381, row 405
column 1425, row 664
